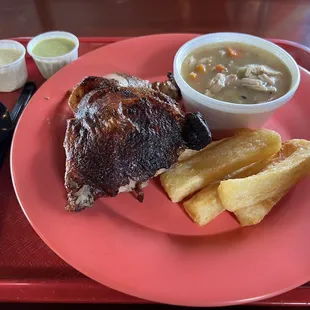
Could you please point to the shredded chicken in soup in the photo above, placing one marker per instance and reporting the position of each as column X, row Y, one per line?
column 237, row 73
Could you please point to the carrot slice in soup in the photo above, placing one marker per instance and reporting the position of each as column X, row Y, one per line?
column 220, row 68
column 201, row 68
column 232, row 53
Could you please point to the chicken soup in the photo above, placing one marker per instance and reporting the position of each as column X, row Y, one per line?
column 236, row 72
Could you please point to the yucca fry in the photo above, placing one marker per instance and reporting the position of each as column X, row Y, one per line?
column 250, row 169
column 188, row 153
column 290, row 165
column 206, row 205
column 215, row 163
column 255, row 214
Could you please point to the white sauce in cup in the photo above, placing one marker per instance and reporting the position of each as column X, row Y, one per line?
column 13, row 70
column 8, row 55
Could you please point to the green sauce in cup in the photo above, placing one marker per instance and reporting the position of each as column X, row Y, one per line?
column 53, row 47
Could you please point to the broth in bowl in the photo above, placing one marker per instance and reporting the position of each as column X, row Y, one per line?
column 237, row 73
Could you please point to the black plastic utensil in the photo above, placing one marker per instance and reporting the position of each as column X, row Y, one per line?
column 27, row 92
column 6, row 124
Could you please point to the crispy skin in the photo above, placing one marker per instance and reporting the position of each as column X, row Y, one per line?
column 168, row 87
column 214, row 163
column 89, row 83
column 93, row 83
column 290, row 165
column 120, row 138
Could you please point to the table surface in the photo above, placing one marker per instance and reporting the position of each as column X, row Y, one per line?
column 283, row 19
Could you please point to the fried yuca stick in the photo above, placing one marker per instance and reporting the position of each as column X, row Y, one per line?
column 187, row 154
column 255, row 214
column 287, row 168
column 213, row 164
column 206, row 205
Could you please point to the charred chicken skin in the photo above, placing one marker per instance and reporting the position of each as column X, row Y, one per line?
column 124, row 133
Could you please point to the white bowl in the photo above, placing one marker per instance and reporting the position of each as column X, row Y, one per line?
column 49, row 65
column 225, row 115
column 13, row 75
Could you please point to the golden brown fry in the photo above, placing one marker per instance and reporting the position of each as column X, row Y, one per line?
column 287, row 168
column 205, row 206
column 250, row 169
column 188, row 153
column 254, row 214
column 213, row 164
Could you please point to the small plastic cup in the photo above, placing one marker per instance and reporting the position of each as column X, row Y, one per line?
column 226, row 115
column 50, row 65
column 13, row 75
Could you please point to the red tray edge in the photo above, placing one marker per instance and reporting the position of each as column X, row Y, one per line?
column 63, row 291
column 87, row 291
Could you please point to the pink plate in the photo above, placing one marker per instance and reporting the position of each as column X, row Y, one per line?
column 153, row 250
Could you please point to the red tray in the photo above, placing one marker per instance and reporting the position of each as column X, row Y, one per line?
column 31, row 272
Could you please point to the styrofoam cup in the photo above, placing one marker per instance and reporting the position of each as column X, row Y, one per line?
column 49, row 65
column 13, row 75
column 225, row 115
